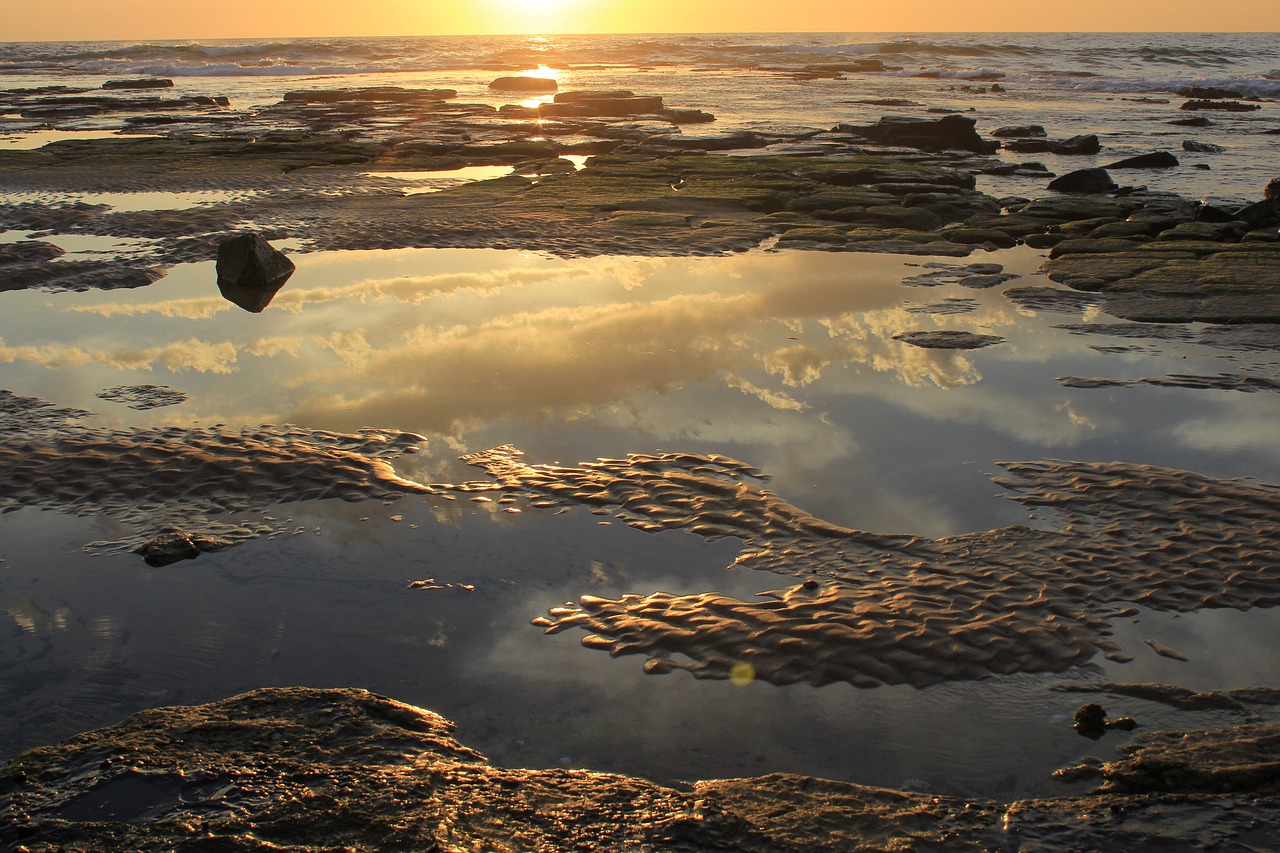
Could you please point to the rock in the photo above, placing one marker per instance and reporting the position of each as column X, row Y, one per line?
column 1272, row 190
column 1019, row 131
column 952, row 132
column 1091, row 721
column 1201, row 147
column 612, row 103
column 1260, row 214
column 1083, row 181
column 948, row 339
column 1194, row 121
column 1227, row 106
column 1212, row 213
column 174, row 546
column 1155, row 160
column 1083, row 144
column 251, row 272
column 143, row 83
column 524, row 84
column 1208, row 93
column 376, row 94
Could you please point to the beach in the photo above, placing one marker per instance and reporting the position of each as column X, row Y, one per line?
column 771, row 366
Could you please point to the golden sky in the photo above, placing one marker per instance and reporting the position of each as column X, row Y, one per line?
column 156, row 19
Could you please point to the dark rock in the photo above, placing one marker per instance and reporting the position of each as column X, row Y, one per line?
column 1029, row 146
column 524, row 84
column 174, row 546
column 1194, row 121
column 1272, row 190
column 685, row 116
column 722, row 142
column 1208, row 93
column 1261, row 214
column 1091, row 721
column 144, row 83
column 206, row 101
column 1154, row 160
column 375, row 94
column 1201, row 147
column 1083, row 181
column 1019, row 131
column 951, row 132
column 1083, row 144
column 1211, row 213
column 612, row 103
column 1227, row 106
column 251, row 272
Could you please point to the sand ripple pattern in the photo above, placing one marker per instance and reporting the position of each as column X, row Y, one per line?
column 159, row 478
column 891, row 609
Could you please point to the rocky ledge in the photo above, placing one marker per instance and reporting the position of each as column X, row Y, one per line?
column 347, row 770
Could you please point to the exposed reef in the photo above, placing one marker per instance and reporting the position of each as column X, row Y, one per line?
column 329, row 770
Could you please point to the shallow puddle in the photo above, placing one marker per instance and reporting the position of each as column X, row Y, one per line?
column 792, row 362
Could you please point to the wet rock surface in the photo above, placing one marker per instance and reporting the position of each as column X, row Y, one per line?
column 309, row 770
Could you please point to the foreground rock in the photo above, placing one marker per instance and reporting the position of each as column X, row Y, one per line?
column 251, row 272
column 312, row 770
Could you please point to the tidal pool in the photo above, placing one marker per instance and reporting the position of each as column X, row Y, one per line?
column 787, row 361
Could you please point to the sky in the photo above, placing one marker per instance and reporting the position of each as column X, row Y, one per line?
column 67, row 20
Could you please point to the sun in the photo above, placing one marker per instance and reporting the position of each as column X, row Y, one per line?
column 537, row 16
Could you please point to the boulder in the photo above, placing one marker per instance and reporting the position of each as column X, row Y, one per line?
column 251, row 272
column 1260, row 214
column 951, row 132
column 1019, row 131
column 1084, row 181
column 1194, row 121
column 1154, row 160
column 1201, row 147
column 524, row 84
column 144, row 83
column 1086, row 143
column 1272, row 190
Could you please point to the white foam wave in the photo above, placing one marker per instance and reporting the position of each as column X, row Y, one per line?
column 1253, row 87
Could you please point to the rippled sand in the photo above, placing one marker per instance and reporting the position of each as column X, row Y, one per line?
column 891, row 609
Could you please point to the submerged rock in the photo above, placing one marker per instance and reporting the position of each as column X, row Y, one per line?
column 1201, row 147
column 948, row 339
column 251, row 272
